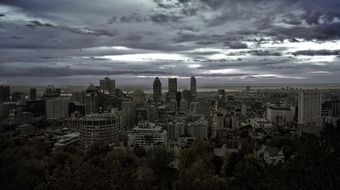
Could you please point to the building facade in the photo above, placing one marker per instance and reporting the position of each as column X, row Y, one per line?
column 99, row 128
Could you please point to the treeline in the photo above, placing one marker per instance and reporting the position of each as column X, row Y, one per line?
column 311, row 163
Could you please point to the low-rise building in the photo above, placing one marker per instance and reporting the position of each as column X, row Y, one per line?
column 147, row 134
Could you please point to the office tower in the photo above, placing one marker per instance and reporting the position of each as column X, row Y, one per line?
column 4, row 93
column 108, row 86
column 57, row 108
column 139, row 97
column 99, row 128
column 187, row 96
column 172, row 88
column 157, row 90
column 309, row 108
column 128, row 115
column 172, row 105
column 33, row 94
column 198, row 129
column 183, row 106
column 91, row 100
column 193, row 87
column 220, row 97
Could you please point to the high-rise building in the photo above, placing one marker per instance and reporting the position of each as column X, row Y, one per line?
column 108, row 86
column 91, row 100
column 139, row 97
column 309, row 108
column 33, row 94
column 57, row 108
column 128, row 115
column 193, row 87
column 172, row 88
column 4, row 93
column 157, row 90
column 221, row 97
column 99, row 128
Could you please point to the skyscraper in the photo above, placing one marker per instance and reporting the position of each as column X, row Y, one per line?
column 157, row 90
column 33, row 94
column 108, row 86
column 128, row 115
column 193, row 87
column 172, row 88
column 139, row 97
column 91, row 100
column 4, row 93
column 309, row 108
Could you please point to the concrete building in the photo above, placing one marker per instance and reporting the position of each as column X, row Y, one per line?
column 139, row 97
column 198, row 129
column 157, row 90
column 128, row 115
column 309, row 108
column 172, row 88
column 172, row 106
column 57, row 108
column 186, row 94
column 280, row 114
column 91, row 100
column 99, row 128
column 147, row 134
column 107, row 86
column 175, row 129
column 183, row 106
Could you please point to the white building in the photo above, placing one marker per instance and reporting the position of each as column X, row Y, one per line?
column 147, row 134
column 99, row 128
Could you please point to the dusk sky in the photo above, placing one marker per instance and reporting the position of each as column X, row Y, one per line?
column 77, row 42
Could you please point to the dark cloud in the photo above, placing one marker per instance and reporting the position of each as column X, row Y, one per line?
column 69, row 71
column 236, row 45
column 255, row 38
column 164, row 18
column 317, row 52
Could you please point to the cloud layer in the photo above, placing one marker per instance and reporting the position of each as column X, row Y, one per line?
column 246, row 41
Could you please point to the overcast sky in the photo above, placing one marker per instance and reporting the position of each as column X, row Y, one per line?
column 219, row 41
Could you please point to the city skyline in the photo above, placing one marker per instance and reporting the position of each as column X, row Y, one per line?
column 219, row 42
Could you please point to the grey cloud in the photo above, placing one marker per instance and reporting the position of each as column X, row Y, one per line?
column 164, row 18
column 236, row 45
column 68, row 71
column 317, row 52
